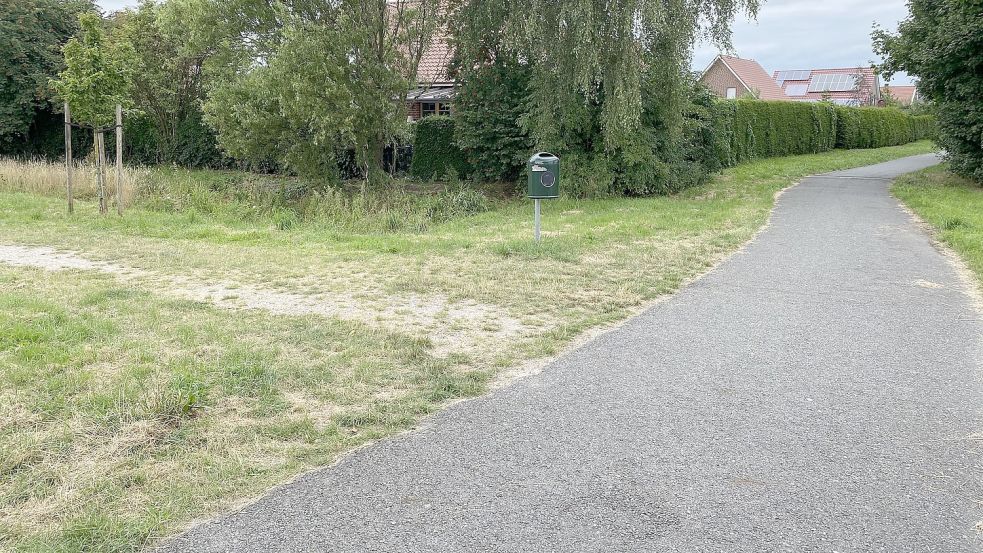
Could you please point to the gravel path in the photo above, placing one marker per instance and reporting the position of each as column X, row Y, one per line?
column 819, row 391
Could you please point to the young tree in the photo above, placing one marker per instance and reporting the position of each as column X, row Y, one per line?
column 96, row 80
column 97, row 74
column 941, row 42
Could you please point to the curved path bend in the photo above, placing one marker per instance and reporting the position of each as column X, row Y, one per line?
column 819, row 391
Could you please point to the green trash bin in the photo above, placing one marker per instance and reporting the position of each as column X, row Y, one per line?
column 544, row 176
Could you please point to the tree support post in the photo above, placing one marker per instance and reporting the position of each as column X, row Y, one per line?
column 68, row 158
column 119, row 159
column 100, row 181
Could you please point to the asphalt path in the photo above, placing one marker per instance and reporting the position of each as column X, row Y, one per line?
column 821, row 390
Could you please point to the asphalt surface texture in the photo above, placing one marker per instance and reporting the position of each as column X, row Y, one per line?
column 819, row 391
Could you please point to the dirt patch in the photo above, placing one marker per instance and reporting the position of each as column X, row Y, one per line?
column 450, row 326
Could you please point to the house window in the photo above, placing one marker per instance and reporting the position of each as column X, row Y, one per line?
column 434, row 108
column 731, row 93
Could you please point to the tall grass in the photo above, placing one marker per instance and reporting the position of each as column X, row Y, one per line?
column 281, row 201
column 48, row 179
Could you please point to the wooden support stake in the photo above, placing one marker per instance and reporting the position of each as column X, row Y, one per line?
column 119, row 159
column 68, row 158
column 100, row 183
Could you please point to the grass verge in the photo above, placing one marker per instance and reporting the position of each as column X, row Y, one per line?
column 127, row 410
column 953, row 206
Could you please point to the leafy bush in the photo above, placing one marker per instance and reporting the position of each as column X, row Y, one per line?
column 434, row 150
column 940, row 43
column 487, row 110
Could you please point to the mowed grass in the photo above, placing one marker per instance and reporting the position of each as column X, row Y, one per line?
column 952, row 205
column 127, row 412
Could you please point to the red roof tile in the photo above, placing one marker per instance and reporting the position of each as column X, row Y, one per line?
column 754, row 77
column 434, row 63
column 904, row 94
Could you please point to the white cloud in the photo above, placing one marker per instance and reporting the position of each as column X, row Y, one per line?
column 810, row 34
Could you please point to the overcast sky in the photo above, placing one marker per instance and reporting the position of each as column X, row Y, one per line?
column 811, row 34
column 789, row 34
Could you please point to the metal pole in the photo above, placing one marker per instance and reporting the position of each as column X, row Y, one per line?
column 537, row 218
column 119, row 159
column 68, row 157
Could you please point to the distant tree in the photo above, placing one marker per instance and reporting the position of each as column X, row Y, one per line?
column 887, row 98
column 941, row 42
column 299, row 81
column 32, row 33
column 166, row 76
column 589, row 59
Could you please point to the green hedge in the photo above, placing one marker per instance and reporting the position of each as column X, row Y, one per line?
column 749, row 129
column 731, row 132
column 435, row 151
column 871, row 127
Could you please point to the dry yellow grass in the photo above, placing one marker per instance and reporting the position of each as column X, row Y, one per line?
column 48, row 179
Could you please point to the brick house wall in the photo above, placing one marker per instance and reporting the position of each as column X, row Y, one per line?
column 718, row 79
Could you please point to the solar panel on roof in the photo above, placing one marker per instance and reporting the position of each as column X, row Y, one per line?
column 796, row 75
column 796, row 89
column 833, row 82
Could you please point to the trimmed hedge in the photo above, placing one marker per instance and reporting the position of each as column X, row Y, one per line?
column 730, row 132
column 435, row 151
column 871, row 127
column 749, row 129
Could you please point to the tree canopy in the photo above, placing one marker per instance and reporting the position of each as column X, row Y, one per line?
column 941, row 43
column 297, row 82
column 608, row 80
column 32, row 33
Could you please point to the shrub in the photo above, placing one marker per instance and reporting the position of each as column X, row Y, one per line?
column 434, row 150
column 487, row 111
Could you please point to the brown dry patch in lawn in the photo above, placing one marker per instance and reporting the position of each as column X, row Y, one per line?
column 451, row 326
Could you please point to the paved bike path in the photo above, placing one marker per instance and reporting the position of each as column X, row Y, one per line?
column 821, row 390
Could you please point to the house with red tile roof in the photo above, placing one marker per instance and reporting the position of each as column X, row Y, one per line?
column 733, row 77
column 851, row 86
column 904, row 95
column 435, row 87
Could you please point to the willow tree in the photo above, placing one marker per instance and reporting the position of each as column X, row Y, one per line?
column 608, row 76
